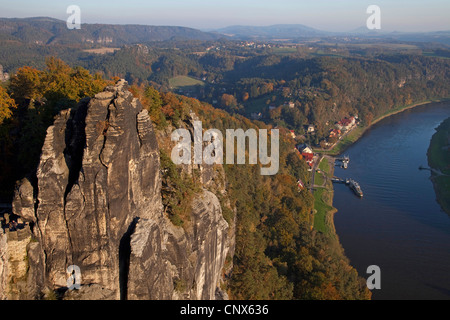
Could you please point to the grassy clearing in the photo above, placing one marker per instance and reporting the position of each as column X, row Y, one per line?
column 323, row 202
column 323, row 218
column 262, row 103
column 318, row 179
column 102, row 50
column 184, row 82
column 284, row 51
column 324, row 165
column 257, row 105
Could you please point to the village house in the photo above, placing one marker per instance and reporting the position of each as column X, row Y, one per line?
column 290, row 104
column 335, row 133
column 324, row 143
column 346, row 124
column 300, row 184
column 304, row 148
column 292, row 133
column 307, row 153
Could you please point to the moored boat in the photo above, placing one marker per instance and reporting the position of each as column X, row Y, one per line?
column 356, row 187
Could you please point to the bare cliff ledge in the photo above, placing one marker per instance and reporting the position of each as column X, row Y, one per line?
column 97, row 205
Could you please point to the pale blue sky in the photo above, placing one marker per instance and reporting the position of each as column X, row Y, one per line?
column 330, row 15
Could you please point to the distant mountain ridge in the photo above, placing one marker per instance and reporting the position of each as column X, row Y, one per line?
column 298, row 31
column 45, row 30
column 51, row 31
column 272, row 31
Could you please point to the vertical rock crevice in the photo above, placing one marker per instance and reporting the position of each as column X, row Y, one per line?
column 75, row 138
column 124, row 259
column 98, row 205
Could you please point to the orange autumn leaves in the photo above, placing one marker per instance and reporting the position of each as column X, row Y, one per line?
column 7, row 104
column 57, row 81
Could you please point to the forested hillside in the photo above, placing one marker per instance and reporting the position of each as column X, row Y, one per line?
column 289, row 86
column 49, row 31
column 278, row 255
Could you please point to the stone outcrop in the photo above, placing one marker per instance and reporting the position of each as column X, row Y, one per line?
column 97, row 204
column 3, row 75
column 3, row 265
column 193, row 262
column 18, row 280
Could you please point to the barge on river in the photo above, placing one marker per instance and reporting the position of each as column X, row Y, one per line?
column 355, row 187
column 351, row 183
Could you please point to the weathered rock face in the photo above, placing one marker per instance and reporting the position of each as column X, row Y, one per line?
column 3, row 265
column 192, row 262
column 17, row 278
column 3, row 75
column 99, row 170
column 97, row 205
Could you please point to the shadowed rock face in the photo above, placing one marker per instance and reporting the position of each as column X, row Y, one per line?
column 98, row 206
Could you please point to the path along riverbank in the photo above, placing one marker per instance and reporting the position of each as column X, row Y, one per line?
column 355, row 134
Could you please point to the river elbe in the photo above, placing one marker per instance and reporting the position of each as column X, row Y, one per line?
column 397, row 225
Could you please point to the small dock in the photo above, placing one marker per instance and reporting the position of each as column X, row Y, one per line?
column 435, row 171
column 351, row 183
column 337, row 180
column 340, row 180
column 343, row 161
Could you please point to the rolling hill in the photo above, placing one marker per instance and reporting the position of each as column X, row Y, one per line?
column 50, row 31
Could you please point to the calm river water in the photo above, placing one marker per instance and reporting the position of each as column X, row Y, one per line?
column 398, row 225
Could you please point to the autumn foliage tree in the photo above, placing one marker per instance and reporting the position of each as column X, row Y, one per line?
column 7, row 104
column 229, row 102
column 36, row 97
column 26, row 84
column 7, row 107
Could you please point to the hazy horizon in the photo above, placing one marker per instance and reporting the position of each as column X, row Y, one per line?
column 325, row 15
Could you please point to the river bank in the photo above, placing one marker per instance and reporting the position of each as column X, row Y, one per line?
column 324, row 197
column 353, row 136
column 398, row 225
column 438, row 155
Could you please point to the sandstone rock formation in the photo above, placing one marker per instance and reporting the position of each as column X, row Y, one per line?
column 193, row 262
column 97, row 205
column 3, row 265
column 3, row 75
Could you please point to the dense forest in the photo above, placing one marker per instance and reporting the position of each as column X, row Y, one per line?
column 323, row 89
column 278, row 254
column 285, row 85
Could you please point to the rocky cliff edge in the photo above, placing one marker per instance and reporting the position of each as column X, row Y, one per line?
column 96, row 204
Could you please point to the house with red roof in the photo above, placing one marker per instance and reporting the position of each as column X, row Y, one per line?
column 307, row 153
column 346, row 123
